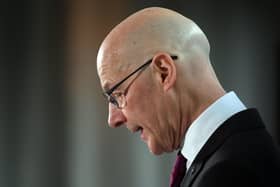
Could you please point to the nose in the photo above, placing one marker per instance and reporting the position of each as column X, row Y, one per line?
column 116, row 117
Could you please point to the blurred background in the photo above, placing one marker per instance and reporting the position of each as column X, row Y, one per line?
column 53, row 118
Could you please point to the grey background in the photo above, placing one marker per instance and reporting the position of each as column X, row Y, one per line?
column 53, row 129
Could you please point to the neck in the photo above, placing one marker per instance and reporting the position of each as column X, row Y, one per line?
column 194, row 106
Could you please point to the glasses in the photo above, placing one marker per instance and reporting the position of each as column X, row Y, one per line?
column 118, row 98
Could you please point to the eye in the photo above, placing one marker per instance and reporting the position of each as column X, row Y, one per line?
column 117, row 94
column 113, row 100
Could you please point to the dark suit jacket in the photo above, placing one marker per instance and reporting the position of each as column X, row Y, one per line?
column 240, row 153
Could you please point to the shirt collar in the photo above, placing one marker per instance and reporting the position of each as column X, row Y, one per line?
column 207, row 122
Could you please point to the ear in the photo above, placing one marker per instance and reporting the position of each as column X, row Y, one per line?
column 164, row 69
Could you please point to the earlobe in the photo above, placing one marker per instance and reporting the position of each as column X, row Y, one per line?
column 165, row 69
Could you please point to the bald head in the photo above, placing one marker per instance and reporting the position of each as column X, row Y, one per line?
column 148, row 31
column 179, row 83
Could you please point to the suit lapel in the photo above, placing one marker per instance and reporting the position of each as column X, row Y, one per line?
column 192, row 172
column 242, row 121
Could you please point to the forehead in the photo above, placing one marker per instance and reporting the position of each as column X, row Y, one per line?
column 111, row 71
column 118, row 55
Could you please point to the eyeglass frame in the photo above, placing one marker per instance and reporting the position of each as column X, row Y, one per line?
column 108, row 94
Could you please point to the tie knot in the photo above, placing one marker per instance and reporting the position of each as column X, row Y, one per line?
column 180, row 160
column 178, row 171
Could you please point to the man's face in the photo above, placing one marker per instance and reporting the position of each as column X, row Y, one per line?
column 143, row 110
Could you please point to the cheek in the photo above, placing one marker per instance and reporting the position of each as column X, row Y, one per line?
column 154, row 146
column 140, row 99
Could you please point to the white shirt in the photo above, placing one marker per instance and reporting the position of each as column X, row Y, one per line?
column 208, row 122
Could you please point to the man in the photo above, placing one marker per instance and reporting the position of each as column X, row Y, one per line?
column 155, row 71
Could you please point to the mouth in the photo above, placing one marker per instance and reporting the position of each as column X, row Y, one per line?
column 140, row 130
column 137, row 129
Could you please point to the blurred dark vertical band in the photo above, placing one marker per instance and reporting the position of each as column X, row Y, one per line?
column 57, row 165
column 32, row 98
column 278, row 88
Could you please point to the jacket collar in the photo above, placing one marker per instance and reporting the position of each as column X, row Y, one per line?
column 242, row 121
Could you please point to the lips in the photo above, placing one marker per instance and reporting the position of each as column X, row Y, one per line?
column 135, row 129
column 138, row 129
column 142, row 134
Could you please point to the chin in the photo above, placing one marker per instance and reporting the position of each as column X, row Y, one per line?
column 155, row 148
column 155, row 152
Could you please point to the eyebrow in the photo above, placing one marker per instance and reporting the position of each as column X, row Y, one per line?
column 106, row 87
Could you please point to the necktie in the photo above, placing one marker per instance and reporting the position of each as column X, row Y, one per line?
column 178, row 171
